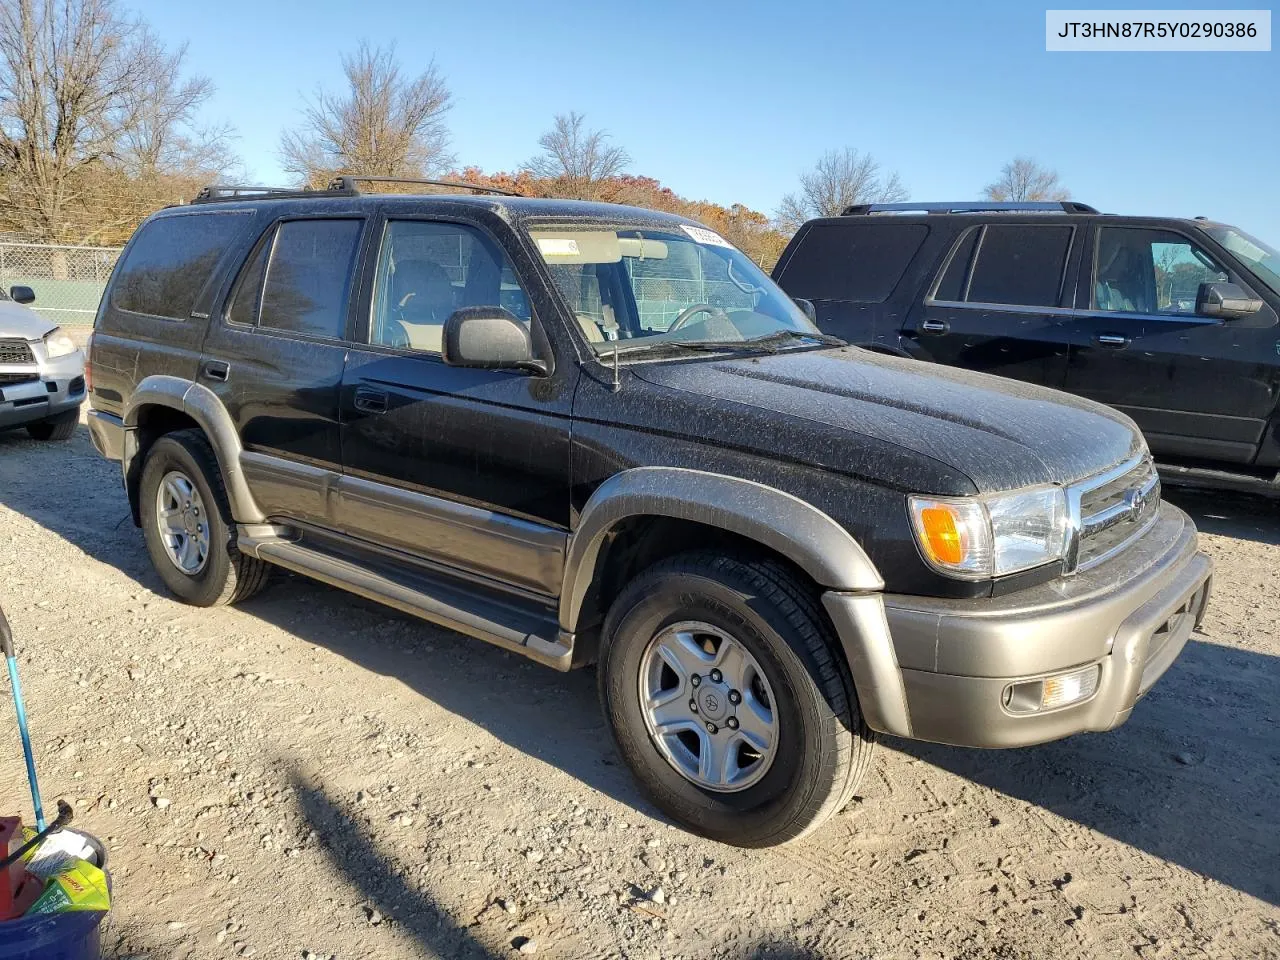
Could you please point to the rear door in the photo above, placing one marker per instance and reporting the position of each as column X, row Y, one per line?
column 1198, row 386
column 461, row 466
column 275, row 360
column 999, row 302
column 850, row 268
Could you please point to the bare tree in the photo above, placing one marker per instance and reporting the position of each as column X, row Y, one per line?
column 1024, row 179
column 385, row 124
column 166, row 137
column 840, row 179
column 578, row 159
column 78, row 86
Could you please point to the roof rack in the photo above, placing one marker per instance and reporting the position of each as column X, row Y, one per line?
column 233, row 191
column 340, row 186
column 347, row 182
column 980, row 206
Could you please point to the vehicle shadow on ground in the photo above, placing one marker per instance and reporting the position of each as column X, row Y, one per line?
column 1191, row 778
column 1229, row 514
column 1215, row 814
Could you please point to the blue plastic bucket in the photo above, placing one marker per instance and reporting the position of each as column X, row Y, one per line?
column 57, row 936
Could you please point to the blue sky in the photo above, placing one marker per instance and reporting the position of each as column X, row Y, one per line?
column 730, row 101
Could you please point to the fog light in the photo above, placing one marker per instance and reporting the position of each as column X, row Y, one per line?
column 1035, row 696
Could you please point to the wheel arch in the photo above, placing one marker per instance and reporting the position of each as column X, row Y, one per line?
column 162, row 404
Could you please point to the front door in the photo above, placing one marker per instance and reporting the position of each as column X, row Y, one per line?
column 1198, row 386
column 275, row 360
column 460, row 466
column 998, row 303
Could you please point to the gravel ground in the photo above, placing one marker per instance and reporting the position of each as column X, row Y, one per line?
column 313, row 776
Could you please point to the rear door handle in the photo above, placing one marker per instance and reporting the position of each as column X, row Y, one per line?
column 935, row 326
column 371, row 401
column 217, row 369
column 1112, row 341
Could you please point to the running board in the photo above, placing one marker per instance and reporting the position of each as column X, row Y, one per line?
column 451, row 602
column 1176, row 475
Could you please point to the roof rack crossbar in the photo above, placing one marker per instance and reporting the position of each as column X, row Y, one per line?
column 348, row 181
column 977, row 206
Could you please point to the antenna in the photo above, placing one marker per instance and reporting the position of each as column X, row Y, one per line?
column 617, row 384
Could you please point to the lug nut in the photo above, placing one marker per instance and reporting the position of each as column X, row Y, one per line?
column 716, row 676
column 712, row 728
column 735, row 696
column 695, row 680
column 693, row 706
column 732, row 723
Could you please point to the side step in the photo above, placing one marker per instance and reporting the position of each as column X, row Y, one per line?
column 508, row 621
column 1177, row 475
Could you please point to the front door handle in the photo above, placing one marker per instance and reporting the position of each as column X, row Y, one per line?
column 217, row 369
column 1112, row 341
column 371, row 401
column 936, row 327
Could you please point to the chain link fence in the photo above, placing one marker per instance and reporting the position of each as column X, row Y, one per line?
column 68, row 281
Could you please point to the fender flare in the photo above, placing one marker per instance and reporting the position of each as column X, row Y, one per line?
column 203, row 406
column 786, row 524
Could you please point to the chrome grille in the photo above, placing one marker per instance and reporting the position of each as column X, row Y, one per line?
column 1112, row 509
column 16, row 351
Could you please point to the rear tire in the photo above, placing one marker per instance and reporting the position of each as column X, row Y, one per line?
column 61, row 426
column 820, row 746
column 205, row 569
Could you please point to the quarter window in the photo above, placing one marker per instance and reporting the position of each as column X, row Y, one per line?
column 426, row 271
column 853, row 260
column 1150, row 272
column 170, row 262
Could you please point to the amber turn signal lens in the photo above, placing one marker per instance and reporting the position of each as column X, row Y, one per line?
column 942, row 537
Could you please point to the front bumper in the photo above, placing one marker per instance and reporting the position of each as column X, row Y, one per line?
column 51, row 387
column 956, row 660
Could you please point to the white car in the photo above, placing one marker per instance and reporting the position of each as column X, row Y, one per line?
column 42, row 380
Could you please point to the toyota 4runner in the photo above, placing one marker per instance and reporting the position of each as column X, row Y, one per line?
column 592, row 433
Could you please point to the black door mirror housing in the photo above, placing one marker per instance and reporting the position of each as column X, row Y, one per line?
column 1227, row 301
column 807, row 307
column 489, row 338
column 20, row 294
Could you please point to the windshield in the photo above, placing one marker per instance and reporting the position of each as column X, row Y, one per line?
column 680, row 286
column 1259, row 257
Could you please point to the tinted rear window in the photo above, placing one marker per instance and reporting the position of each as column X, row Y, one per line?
column 309, row 277
column 857, row 261
column 171, row 260
column 1020, row 265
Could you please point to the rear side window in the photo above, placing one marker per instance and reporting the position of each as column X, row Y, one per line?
column 299, row 280
column 855, row 261
column 171, row 260
column 1020, row 265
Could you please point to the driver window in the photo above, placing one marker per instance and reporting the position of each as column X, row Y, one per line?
column 428, row 270
column 1150, row 272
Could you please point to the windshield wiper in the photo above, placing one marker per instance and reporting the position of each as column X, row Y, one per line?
column 768, row 343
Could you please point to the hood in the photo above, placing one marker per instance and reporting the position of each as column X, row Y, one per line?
column 1001, row 434
column 22, row 322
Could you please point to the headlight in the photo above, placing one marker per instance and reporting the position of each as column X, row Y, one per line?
column 58, row 344
column 974, row 538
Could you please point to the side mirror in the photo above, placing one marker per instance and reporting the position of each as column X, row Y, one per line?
column 1227, row 301
column 22, row 294
column 490, row 338
column 808, row 308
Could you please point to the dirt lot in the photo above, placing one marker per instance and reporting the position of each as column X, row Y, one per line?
column 310, row 775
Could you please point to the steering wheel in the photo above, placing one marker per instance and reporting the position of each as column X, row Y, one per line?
column 688, row 313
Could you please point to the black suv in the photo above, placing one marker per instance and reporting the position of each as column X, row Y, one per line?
column 587, row 432
column 1171, row 321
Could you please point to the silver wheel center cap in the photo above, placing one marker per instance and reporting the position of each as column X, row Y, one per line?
column 713, row 702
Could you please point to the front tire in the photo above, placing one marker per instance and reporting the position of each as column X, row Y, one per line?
column 721, row 681
column 187, row 524
column 61, row 426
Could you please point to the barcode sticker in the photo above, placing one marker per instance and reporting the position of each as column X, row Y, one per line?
column 703, row 235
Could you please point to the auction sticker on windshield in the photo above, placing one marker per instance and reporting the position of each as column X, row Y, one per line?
column 705, row 236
